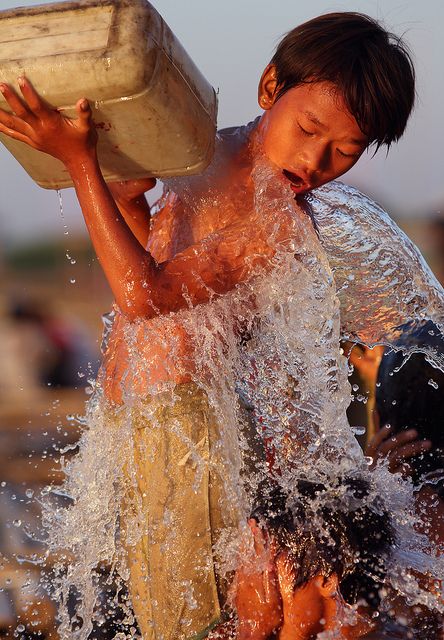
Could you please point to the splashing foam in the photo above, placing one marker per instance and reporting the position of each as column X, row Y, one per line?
column 270, row 346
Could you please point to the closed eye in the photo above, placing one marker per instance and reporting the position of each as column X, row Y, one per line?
column 304, row 131
column 348, row 155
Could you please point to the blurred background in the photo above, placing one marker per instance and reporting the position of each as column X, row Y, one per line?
column 52, row 290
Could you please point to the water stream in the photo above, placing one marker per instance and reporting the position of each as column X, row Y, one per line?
column 269, row 349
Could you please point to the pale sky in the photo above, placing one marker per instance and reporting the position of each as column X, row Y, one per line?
column 231, row 41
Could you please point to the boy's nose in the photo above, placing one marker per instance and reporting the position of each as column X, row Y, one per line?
column 316, row 159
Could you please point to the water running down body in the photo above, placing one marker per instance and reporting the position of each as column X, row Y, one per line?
column 271, row 345
column 234, row 316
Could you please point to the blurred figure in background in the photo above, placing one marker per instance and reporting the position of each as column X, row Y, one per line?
column 365, row 363
column 436, row 239
column 62, row 353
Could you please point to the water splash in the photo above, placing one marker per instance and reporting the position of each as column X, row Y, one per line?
column 266, row 357
column 382, row 280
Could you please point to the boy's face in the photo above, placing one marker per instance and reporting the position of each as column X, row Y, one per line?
column 309, row 132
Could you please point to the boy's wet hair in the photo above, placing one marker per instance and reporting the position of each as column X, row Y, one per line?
column 334, row 529
column 410, row 395
column 371, row 68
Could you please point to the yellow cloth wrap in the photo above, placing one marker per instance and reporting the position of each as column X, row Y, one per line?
column 173, row 583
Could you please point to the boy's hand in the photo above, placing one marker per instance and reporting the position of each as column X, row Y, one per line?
column 398, row 449
column 36, row 123
column 256, row 592
column 131, row 190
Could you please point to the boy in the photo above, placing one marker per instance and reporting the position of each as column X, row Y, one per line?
column 336, row 85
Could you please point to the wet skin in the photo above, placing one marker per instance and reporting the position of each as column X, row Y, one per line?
column 148, row 283
column 311, row 150
column 308, row 132
column 267, row 602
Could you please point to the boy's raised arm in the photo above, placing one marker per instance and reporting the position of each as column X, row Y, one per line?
column 142, row 288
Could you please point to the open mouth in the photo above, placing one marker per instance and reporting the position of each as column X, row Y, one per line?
column 297, row 184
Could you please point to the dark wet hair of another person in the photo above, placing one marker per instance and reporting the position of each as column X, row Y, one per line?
column 331, row 530
column 371, row 68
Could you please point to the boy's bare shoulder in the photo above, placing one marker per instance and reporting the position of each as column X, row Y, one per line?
column 229, row 131
column 238, row 134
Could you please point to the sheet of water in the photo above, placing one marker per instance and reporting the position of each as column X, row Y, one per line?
column 272, row 344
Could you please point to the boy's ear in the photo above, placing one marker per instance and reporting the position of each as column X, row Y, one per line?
column 267, row 89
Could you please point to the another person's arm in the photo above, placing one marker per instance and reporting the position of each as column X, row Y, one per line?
column 255, row 592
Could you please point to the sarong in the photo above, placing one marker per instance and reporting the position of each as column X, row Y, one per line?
column 175, row 587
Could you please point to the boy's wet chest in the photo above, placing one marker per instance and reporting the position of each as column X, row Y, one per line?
column 178, row 226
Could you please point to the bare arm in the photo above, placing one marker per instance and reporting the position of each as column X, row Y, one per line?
column 129, row 197
column 128, row 267
column 142, row 288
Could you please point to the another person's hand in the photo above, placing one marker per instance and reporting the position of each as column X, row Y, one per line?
column 131, row 190
column 302, row 607
column 366, row 361
column 315, row 607
column 398, row 448
column 255, row 592
column 41, row 126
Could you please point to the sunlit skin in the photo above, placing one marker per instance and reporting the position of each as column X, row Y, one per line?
column 308, row 132
column 118, row 218
column 267, row 602
column 255, row 590
column 311, row 150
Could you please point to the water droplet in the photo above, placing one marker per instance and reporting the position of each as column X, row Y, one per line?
column 359, row 431
column 355, row 387
column 29, row 493
column 20, row 628
column 17, row 523
column 433, row 384
column 3, row 484
column 62, row 213
column 72, row 280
